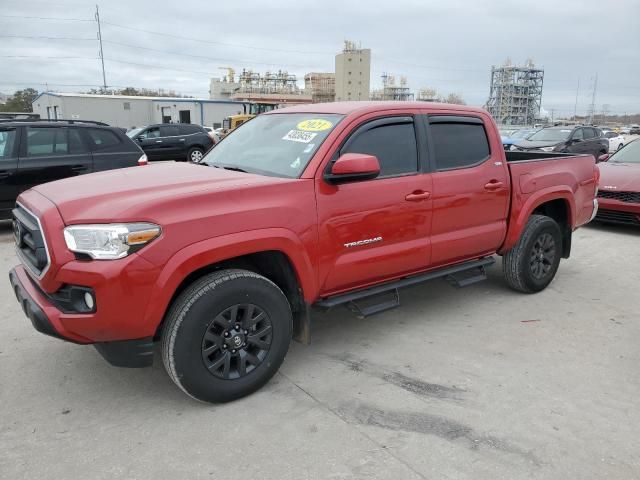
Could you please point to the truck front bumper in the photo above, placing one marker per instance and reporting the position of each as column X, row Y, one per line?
column 46, row 318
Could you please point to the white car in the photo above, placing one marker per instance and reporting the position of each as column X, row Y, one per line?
column 616, row 141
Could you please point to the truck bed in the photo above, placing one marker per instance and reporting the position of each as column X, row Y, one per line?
column 518, row 156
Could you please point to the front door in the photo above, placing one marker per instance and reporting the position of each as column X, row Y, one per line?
column 51, row 153
column 150, row 141
column 470, row 190
column 376, row 229
column 8, row 168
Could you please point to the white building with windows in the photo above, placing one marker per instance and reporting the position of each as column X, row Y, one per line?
column 132, row 111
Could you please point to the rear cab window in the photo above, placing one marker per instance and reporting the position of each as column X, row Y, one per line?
column 458, row 142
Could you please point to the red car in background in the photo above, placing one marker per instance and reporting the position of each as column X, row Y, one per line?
column 619, row 194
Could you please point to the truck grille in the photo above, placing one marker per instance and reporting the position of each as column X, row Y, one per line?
column 30, row 244
column 627, row 197
column 613, row 216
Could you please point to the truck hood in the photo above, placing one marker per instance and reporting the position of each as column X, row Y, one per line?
column 621, row 177
column 141, row 192
column 527, row 144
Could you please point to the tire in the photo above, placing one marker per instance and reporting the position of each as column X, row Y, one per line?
column 523, row 268
column 195, row 348
column 195, row 154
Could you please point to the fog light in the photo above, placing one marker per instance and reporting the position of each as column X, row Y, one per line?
column 88, row 299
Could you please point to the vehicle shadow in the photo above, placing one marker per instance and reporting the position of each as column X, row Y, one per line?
column 614, row 228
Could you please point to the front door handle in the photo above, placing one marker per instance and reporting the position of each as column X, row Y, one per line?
column 158, row 141
column 417, row 196
column 79, row 168
column 493, row 185
column 4, row 174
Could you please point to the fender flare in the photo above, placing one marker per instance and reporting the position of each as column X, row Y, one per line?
column 214, row 250
column 518, row 220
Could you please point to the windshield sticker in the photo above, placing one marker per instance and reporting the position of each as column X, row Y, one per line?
column 309, row 148
column 314, row 125
column 299, row 136
column 296, row 163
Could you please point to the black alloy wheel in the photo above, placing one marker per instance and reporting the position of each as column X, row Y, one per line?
column 237, row 341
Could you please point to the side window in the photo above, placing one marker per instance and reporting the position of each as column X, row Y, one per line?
column 459, row 145
column 101, row 139
column 151, row 133
column 189, row 129
column 588, row 133
column 394, row 145
column 578, row 134
column 169, row 131
column 7, row 140
column 46, row 141
column 76, row 145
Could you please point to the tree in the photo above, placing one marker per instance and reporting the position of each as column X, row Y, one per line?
column 20, row 101
column 455, row 98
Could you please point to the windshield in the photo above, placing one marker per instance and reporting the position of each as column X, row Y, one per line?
column 135, row 132
column 550, row 135
column 630, row 153
column 521, row 134
column 278, row 145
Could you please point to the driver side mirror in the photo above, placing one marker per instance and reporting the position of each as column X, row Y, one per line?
column 603, row 158
column 352, row 167
column 575, row 140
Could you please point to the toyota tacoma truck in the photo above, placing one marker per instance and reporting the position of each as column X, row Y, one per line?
column 219, row 264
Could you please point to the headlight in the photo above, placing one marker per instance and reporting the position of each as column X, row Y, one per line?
column 110, row 241
column 547, row 149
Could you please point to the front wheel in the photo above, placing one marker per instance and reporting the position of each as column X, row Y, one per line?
column 195, row 155
column 226, row 335
column 533, row 262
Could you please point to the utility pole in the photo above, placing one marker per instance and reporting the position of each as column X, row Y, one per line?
column 592, row 109
column 553, row 110
column 575, row 107
column 104, row 77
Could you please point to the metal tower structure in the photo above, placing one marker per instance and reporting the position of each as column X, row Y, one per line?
column 515, row 94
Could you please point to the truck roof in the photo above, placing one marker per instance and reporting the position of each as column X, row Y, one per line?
column 345, row 108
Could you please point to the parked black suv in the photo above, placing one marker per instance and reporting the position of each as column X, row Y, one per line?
column 34, row 152
column 169, row 141
column 586, row 140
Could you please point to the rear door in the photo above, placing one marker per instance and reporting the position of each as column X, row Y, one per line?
column 9, row 142
column 470, row 189
column 172, row 142
column 49, row 153
column 376, row 229
column 111, row 150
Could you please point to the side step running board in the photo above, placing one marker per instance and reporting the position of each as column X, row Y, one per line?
column 459, row 275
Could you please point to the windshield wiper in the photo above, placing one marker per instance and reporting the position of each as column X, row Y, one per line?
column 229, row 167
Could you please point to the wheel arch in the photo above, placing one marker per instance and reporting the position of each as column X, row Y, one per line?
column 282, row 260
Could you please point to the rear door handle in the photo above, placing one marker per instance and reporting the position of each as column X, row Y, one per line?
column 493, row 185
column 182, row 139
column 158, row 141
column 417, row 196
column 79, row 168
column 4, row 174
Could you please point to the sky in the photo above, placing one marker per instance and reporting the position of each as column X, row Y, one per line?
column 448, row 45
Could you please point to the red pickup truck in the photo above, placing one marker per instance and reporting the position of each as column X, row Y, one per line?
column 310, row 206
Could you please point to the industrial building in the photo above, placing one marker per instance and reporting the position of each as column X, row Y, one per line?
column 273, row 87
column 353, row 73
column 515, row 94
column 321, row 86
column 133, row 111
column 391, row 91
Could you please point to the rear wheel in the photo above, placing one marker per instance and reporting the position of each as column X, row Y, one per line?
column 195, row 155
column 226, row 335
column 533, row 262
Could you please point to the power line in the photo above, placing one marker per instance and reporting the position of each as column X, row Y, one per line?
column 215, row 59
column 33, row 37
column 65, row 19
column 211, row 42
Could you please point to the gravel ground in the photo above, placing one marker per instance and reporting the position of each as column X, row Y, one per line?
column 482, row 383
